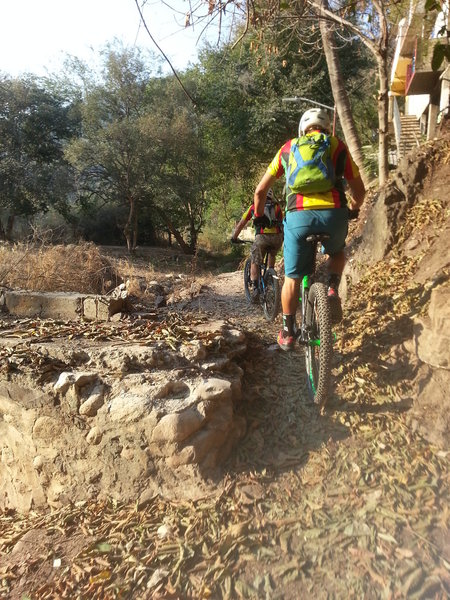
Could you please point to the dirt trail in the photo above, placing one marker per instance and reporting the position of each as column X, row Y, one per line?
column 349, row 504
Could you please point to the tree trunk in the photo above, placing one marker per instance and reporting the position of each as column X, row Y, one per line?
column 383, row 109
column 135, row 230
column 129, row 229
column 193, row 233
column 9, row 227
column 340, row 94
column 186, row 248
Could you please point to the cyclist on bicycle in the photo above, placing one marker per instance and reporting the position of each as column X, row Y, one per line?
column 268, row 236
column 315, row 203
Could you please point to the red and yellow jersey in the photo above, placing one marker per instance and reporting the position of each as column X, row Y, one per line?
column 344, row 166
column 250, row 213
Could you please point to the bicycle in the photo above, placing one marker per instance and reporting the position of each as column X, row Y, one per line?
column 316, row 332
column 268, row 285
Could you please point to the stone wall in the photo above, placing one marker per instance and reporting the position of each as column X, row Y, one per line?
column 120, row 422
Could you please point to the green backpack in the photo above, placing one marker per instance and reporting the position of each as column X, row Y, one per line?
column 310, row 169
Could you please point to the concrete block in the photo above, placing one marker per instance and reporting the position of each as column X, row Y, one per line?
column 94, row 309
column 67, row 306
column 54, row 305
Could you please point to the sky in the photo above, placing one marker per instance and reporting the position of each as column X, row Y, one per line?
column 36, row 35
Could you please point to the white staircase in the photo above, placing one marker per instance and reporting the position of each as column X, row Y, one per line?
column 411, row 136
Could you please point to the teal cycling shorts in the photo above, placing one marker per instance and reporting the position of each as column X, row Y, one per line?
column 298, row 224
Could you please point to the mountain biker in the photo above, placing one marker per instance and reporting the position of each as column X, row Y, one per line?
column 309, row 212
column 268, row 236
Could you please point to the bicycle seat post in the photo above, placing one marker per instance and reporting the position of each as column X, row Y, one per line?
column 314, row 240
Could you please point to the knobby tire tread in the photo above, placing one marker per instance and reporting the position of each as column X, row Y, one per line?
column 319, row 358
column 271, row 303
column 247, row 279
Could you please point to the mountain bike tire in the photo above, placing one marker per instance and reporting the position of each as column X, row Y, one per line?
column 319, row 351
column 248, row 280
column 271, row 299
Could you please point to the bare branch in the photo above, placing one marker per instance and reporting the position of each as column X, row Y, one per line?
column 162, row 52
column 247, row 22
column 317, row 6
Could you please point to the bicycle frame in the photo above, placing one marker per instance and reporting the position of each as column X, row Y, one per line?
column 268, row 286
column 262, row 268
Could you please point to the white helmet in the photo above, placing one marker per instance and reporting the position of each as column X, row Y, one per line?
column 314, row 117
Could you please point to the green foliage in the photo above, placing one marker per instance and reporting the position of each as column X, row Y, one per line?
column 370, row 154
column 441, row 52
column 35, row 124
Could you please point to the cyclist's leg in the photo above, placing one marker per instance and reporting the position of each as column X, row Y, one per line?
column 336, row 222
column 289, row 295
column 256, row 256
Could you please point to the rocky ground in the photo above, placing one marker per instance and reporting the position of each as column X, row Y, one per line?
column 351, row 503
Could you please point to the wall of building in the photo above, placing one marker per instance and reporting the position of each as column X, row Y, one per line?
column 416, row 105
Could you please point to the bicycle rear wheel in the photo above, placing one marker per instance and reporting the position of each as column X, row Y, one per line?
column 248, row 280
column 271, row 299
column 319, row 350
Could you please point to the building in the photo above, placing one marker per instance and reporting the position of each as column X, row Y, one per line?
column 419, row 95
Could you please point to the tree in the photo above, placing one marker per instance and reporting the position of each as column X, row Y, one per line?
column 179, row 190
column 113, row 156
column 35, row 124
column 370, row 23
column 441, row 51
column 340, row 95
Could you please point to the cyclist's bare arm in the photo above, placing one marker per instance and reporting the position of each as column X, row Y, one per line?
column 239, row 227
column 262, row 188
column 358, row 191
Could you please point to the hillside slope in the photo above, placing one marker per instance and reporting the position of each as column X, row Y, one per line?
column 398, row 292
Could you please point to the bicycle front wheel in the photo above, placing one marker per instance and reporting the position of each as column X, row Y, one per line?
column 319, row 350
column 248, row 280
column 271, row 299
